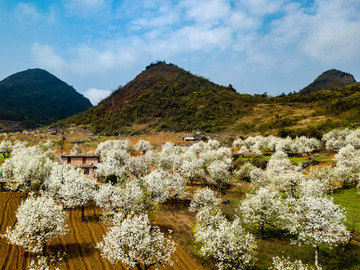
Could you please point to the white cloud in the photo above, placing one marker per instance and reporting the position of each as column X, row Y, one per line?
column 96, row 95
column 26, row 10
column 207, row 11
column 333, row 42
column 250, row 36
column 84, row 60
column 45, row 57
column 86, row 7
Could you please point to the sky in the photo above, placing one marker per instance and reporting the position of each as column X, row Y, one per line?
column 257, row 46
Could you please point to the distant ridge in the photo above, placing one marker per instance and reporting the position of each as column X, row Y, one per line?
column 330, row 79
column 35, row 97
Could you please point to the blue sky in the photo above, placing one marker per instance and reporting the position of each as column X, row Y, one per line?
column 256, row 45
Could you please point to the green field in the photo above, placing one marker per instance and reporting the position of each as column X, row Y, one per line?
column 349, row 199
column 295, row 160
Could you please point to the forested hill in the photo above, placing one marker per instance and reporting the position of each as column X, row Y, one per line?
column 330, row 79
column 166, row 97
column 35, row 97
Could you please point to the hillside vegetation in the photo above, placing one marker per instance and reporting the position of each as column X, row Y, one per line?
column 167, row 98
column 35, row 97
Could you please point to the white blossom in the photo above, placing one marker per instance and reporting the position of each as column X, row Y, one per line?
column 69, row 185
column 76, row 150
column 123, row 199
column 163, row 185
column 317, row 220
column 136, row 243
column 202, row 198
column 286, row 264
column 336, row 139
column 238, row 142
column 143, row 146
column 27, row 166
column 39, row 219
column 6, row 148
column 227, row 242
column 113, row 145
column 263, row 208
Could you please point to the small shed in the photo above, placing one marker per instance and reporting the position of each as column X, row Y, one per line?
column 86, row 163
column 189, row 139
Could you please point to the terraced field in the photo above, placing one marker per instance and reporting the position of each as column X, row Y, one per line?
column 78, row 244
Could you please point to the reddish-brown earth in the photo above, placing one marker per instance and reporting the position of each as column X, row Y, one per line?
column 79, row 244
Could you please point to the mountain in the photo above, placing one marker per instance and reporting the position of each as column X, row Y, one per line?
column 165, row 97
column 330, row 79
column 35, row 97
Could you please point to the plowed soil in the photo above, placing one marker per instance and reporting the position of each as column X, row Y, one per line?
column 79, row 244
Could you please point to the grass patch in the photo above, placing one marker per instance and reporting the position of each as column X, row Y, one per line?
column 2, row 159
column 295, row 160
column 349, row 198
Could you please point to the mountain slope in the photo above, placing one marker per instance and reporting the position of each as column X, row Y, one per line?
column 330, row 79
column 166, row 97
column 35, row 97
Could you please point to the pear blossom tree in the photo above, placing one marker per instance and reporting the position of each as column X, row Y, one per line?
column 68, row 184
column 244, row 171
column 123, row 199
column 27, row 167
column 304, row 146
column 286, row 264
column 163, row 185
column 312, row 187
column 156, row 184
column 76, row 150
column 104, row 147
column 243, row 150
column 225, row 241
column 326, row 176
column 191, row 165
column 176, row 186
column 238, row 143
column 39, row 219
column 136, row 243
column 113, row 164
column 5, row 148
column 287, row 182
column 279, row 163
column 336, row 139
column 137, row 166
column 317, row 220
column 263, row 208
column 143, row 146
column 202, row 198
column 220, row 174
column 353, row 138
column 348, row 165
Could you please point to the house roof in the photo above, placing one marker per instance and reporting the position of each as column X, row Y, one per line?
column 80, row 156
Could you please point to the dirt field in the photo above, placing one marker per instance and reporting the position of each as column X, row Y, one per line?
column 79, row 243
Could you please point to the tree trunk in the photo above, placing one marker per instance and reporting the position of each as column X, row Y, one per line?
column 138, row 266
column 317, row 257
column 82, row 212
column 262, row 231
column 44, row 248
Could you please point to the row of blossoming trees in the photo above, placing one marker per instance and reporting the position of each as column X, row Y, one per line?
column 283, row 196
